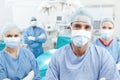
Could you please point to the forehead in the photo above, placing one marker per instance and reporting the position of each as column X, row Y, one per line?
column 12, row 32
column 107, row 24
column 81, row 23
column 82, row 18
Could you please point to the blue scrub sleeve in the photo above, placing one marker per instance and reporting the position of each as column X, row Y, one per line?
column 52, row 72
column 42, row 40
column 2, row 71
column 36, row 69
column 34, row 66
column 25, row 38
column 118, row 60
column 108, row 68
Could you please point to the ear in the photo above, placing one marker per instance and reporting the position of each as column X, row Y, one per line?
column 70, row 30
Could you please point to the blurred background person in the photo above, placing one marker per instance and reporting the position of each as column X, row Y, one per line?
column 16, row 63
column 106, row 39
column 34, row 37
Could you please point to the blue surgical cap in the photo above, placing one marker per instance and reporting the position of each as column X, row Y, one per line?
column 33, row 19
column 81, row 15
column 9, row 27
column 107, row 19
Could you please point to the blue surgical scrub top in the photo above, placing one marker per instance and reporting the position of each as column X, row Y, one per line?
column 96, row 63
column 113, row 48
column 19, row 67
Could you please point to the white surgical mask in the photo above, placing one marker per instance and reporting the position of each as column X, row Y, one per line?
column 106, row 34
column 80, row 37
column 33, row 23
column 12, row 42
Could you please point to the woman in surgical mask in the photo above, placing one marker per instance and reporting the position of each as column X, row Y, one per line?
column 16, row 63
column 80, row 59
column 106, row 39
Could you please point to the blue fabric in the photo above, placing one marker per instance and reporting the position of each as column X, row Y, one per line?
column 18, row 68
column 93, row 65
column 2, row 45
column 113, row 48
column 36, row 45
column 42, row 62
column 62, row 40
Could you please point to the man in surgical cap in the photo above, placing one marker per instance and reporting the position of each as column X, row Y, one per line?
column 107, row 41
column 34, row 37
column 81, row 60
column 16, row 63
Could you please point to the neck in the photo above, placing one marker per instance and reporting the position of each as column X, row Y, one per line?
column 106, row 41
column 12, row 51
column 34, row 27
column 79, row 51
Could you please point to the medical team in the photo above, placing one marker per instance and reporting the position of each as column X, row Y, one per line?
column 79, row 60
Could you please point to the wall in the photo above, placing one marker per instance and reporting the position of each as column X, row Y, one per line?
column 114, row 3
column 5, row 14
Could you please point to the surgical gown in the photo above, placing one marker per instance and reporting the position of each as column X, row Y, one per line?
column 35, row 45
column 113, row 48
column 96, row 63
column 18, row 68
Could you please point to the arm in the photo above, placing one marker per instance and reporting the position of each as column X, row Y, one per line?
column 118, row 59
column 52, row 72
column 36, row 70
column 108, row 69
column 42, row 37
column 25, row 38
column 35, row 67
column 3, row 74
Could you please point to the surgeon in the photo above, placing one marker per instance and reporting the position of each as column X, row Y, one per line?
column 34, row 37
column 106, row 39
column 81, row 60
column 16, row 63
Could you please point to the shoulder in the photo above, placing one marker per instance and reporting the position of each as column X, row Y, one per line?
column 2, row 56
column 116, row 41
column 101, row 54
column 27, row 29
column 62, row 51
column 100, row 51
column 2, row 53
column 40, row 28
column 95, row 41
column 27, row 52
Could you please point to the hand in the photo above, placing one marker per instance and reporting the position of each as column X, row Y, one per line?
column 31, row 38
column 30, row 76
column 118, row 66
column 42, row 36
column 102, row 79
column 6, row 79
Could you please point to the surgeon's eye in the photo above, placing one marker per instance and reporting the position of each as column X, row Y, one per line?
column 9, row 36
column 110, row 28
column 104, row 27
column 76, row 26
column 87, row 27
column 16, row 35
